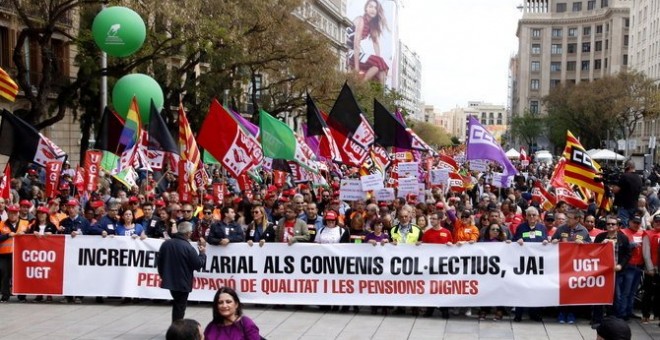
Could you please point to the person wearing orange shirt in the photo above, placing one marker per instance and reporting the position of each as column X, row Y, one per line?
column 464, row 229
column 8, row 230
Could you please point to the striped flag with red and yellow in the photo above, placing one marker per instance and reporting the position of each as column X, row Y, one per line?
column 580, row 169
column 8, row 88
column 188, row 147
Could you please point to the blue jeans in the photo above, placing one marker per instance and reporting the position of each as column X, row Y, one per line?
column 625, row 297
column 624, row 215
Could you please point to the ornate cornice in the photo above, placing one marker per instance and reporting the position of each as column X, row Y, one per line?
column 555, row 19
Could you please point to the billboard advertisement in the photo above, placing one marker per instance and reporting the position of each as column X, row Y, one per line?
column 372, row 40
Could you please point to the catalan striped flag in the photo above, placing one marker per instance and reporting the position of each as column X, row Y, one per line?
column 188, row 146
column 580, row 169
column 8, row 88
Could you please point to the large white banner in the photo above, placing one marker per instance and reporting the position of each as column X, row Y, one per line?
column 480, row 274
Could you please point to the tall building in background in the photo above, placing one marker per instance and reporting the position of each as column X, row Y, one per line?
column 645, row 57
column 567, row 42
column 410, row 82
column 493, row 117
column 329, row 18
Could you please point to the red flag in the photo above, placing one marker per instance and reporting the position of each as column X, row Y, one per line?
column 5, row 184
column 563, row 191
column 92, row 164
column 79, row 180
column 456, row 183
column 189, row 150
column 185, row 194
column 279, row 178
column 446, row 162
column 218, row 193
column 244, row 182
column 53, row 172
column 235, row 149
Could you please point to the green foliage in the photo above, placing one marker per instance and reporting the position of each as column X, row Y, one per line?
column 527, row 128
column 433, row 135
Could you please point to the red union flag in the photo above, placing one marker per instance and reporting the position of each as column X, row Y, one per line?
column 218, row 193
column 234, row 148
column 5, row 188
column 79, row 179
column 185, row 192
column 92, row 164
column 53, row 172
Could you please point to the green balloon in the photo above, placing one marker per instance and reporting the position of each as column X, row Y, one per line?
column 119, row 31
column 144, row 88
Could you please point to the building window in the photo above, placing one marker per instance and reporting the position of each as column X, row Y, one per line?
column 561, row 7
column 586, row 30
column 535, row 84
column 626, row 22
column 554, row 83
column 534, row 106
column 625, row 59
column 555, row 66
column 536, row 32
column 571, row 48
column 586, row 47
column 597, row 64
column 585, row 65
column 4, row 48
column 536, row 48
column 572, row 32
column 591, row 4
column 599, row 29
column 570, row 66
column 555, row 49
column 604, row 3
column 577, row 6
column 556, row 32
column 536, row 66
column 605, row 66
column 625, row 40
column 607, row 44
column 598, row 46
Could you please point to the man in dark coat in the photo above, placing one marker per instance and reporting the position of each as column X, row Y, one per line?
column 177, row 260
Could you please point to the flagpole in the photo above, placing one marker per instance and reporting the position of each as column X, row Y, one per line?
column 104, row 76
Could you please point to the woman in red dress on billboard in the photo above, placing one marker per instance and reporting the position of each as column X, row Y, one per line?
column 371, row 24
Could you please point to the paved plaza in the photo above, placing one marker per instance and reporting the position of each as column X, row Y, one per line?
column 147, row 320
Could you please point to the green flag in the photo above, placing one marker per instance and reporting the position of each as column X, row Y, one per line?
column 277, row 139
column 209, row 159
column 109, row 161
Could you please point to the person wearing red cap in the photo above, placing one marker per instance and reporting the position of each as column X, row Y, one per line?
column 55, row 215
column 330, row 232
column 8, row 229
column 134, row 204
column 24, row 211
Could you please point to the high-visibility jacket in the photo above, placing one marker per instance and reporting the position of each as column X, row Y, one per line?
column 7, row 246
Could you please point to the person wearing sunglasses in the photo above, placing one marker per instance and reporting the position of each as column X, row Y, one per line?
column 494, row 233
column 260, row 230
column 621, row 258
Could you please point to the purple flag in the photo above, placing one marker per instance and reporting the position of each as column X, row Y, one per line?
column 312, row 141
column 251, row 128
column 482, row 145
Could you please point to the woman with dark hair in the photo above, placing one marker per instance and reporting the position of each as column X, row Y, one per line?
column 371, row 24
column 228, row 319
column 494, row 233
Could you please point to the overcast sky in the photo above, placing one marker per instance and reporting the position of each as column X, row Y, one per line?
column 464, row 47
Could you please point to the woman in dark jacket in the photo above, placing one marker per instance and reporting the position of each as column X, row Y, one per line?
column 259, row 230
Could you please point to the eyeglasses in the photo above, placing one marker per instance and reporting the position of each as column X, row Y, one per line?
column 208, row 212
column 495, row 229
column 256, row 212
column 187, row 211
column 610, row 223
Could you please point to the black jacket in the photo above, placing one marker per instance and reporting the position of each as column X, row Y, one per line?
column 255, row 235
column 177, row 260
column 621, row 247
column 221, row 230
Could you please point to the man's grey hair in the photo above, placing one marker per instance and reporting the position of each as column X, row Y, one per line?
column 184, row 227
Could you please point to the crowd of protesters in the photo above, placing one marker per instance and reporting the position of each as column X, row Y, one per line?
column 302, row 213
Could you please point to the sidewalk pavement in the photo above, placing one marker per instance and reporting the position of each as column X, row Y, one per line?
column 148, row 320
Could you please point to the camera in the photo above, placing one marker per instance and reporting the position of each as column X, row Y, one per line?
column 611, row 175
